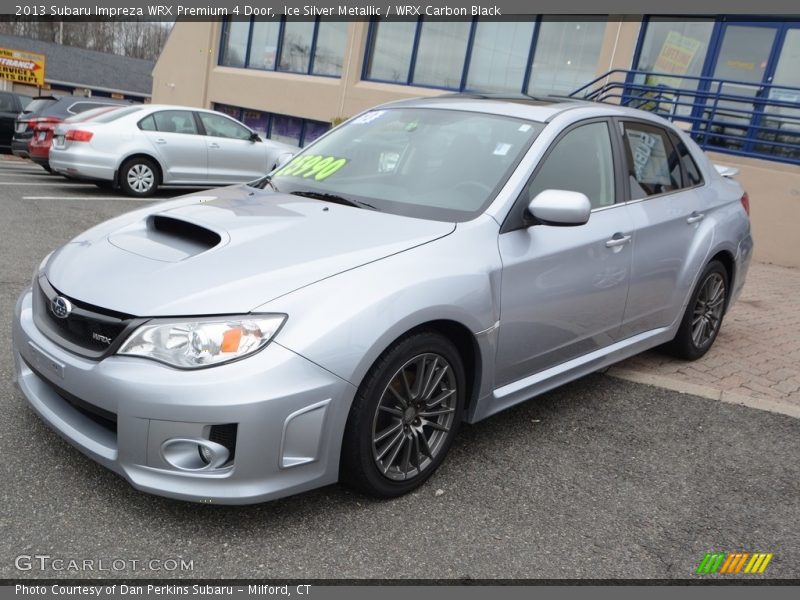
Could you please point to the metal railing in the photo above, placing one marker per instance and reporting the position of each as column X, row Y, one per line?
column 737, row 117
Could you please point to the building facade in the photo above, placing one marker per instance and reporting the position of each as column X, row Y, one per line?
column 733, row 82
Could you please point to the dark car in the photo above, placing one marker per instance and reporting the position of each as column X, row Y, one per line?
column 11, row 104
column 46, row 112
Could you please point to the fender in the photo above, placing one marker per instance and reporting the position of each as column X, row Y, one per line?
column 406, row 290
column 121, row 162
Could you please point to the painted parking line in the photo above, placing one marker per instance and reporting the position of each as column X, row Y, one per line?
column 118, row 198
column 12, row 167
column 60, row 184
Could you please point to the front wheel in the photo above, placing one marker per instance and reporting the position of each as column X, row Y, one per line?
column 404, row 416
column 138, row 177
column 703, row 317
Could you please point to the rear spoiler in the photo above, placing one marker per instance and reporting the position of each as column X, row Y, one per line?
column 726, row 171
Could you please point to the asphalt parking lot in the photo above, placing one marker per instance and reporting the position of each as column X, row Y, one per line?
column 600, row 479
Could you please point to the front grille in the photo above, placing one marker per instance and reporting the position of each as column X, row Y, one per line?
column 104, row 418
column 86, row 330
column 100, row 416
column 226, row 436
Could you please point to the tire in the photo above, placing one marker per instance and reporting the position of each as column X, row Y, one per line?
column 46, row 167
column 139, row 177
column 105, row 185
column 703, row 317
column 388, row 450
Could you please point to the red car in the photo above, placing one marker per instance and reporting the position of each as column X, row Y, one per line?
column 42, row 138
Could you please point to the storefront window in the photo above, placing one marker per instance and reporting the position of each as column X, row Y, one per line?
column 441, row 52
column 257, row 121
column 565, row 57
column 231, row 111
column 499, row 56
column 390, row 53
column 285, row 45
column 675, row 47
column 234, row 43
column 286, row 129
column 496, row 59
column 281, row 128
column 313, row 130
column 264, row 45
column 329, row 51
column 296, row 47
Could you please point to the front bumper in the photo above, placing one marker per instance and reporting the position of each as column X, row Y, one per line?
column 290, row 415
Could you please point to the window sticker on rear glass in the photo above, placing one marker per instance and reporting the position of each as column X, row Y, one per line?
column 650, row 162
column 312, row 166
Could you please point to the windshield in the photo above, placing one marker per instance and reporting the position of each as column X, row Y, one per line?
column 428, row 163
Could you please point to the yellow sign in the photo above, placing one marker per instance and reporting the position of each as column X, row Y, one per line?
column 676, row 56
column 22, row 67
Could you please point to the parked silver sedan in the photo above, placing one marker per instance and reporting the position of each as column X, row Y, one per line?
column 428, row 262
column 142, row 147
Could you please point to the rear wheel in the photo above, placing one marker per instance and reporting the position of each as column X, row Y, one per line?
column 404, row 416
column 139, row 177
column 703, row 317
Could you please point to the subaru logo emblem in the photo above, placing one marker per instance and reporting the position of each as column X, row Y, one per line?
column 61, row 307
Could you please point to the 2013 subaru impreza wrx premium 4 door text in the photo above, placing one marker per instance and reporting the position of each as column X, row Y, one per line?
column 426, row 263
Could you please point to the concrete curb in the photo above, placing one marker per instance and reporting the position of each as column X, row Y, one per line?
column 677, row 385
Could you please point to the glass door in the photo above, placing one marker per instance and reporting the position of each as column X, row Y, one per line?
column 743, row 64
column 779, row 131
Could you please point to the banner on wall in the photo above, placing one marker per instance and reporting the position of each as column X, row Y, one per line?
column 22, row 67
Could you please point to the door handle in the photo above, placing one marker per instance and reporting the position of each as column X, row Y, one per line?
column 695, row 217
column 161, row 141
column 213, row 145
column 618, row 240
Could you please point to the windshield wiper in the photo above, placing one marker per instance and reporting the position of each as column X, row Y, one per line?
column 262, row 183
column 333, row 198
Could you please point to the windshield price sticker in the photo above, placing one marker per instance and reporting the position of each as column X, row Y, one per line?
column 368, row 117
column 312, row 166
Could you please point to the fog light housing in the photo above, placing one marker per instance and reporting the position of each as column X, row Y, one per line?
column 194, row 454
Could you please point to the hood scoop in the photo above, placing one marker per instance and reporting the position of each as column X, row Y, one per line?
column 166, row 238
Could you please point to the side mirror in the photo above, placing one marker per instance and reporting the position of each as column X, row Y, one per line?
column 254, row 137
column 560, row 208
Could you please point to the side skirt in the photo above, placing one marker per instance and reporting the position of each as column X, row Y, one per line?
column 543, row 381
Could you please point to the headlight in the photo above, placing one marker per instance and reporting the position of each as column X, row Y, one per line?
column 202, row 342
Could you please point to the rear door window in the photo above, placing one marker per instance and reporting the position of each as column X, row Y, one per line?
column 691, row 173
column 175, row 121
column 148, row 124
column 653, row 163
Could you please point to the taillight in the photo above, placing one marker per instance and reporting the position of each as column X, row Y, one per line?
column 77, row 135
column 41, row 123
column 746, row 203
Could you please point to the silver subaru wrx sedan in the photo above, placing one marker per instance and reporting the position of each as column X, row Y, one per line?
column 426, row 263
